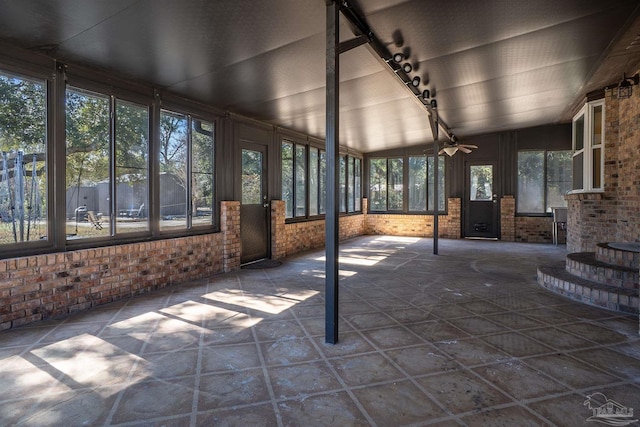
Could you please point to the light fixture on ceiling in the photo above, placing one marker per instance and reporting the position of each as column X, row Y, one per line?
column 450, row 150
column 452, row 146
column 625, row 88
column 406, row 67
column 415, row 81
column 398, row 57
column 434, row 103
column 426, row 94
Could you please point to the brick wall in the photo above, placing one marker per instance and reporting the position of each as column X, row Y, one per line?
column 53, row 285
column 416, row 225
column 615, row 214
column 508, row 219
column 533, row 229
column 278, row 231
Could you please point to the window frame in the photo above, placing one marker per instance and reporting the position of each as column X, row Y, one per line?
column 190, row 229
column 31, row 73
column 321, row 181
column 588, row 147
column 405, row 160
column 547, row 208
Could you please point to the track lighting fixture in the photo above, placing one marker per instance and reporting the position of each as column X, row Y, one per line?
column 625, row 88
column 434, row 103
column 415, row 81
column 398, row 57
column 426, row 94
column 406, row 67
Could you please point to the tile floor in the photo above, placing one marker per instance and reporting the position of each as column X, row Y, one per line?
column 463, row 338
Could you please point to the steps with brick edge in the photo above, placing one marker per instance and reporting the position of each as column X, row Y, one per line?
column 587, row 265
column 557, row 279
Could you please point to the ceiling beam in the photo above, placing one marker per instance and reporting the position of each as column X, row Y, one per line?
column 360, row 28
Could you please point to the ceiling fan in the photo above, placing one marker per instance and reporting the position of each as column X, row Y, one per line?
column 452, row 146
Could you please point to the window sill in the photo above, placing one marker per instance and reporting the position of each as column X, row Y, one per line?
column 584, row 195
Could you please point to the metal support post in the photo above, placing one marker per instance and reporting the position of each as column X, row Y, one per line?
column 332, row 205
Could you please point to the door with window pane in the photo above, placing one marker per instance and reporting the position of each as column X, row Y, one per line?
column 481, row 210
column 254, row 204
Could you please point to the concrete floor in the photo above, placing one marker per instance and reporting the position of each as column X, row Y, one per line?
column 463, row 338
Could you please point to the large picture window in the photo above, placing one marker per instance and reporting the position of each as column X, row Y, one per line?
column 388, row 188
column 23, row 167
column 107, row 185
column 544, row 177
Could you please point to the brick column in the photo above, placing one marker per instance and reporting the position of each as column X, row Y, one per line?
column 278, row 233
column 508, row 219
column 230, row 228
column 451, row 226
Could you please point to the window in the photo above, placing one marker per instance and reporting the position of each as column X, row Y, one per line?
column 314, row 184
column 88, row 183
column 588, row 148
column 441, row 180
column 287, row 178
column 186, row 171
column 107, row 182
column 301, row 180
column 23, row 167
column 202, row 173
column 417, row 188
column 343, row 183
column 132, row 167
column 544, row 177
column 387, row 186
column 304, row 169
column 378, row 185
column 395, row 184
column 174, row 140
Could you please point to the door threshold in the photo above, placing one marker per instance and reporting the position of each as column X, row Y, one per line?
column 481, row 238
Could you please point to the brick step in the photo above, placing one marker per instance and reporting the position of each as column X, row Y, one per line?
column 622, row 254
column 586, row 266
column 556, row 279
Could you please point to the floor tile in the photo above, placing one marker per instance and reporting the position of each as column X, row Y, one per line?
column 610, row 361
column 408, row 404
column 303, row 379
column 422, row 360
column 570, row 371
column 234, row 357
column 350, row 343
column 365, row 369
column 477, row 325
column 255, row 416
column 283, row 352
column 556, row 338
column 568, row 410
column 437, row 330
column 510, row 377
column 152, row 399
column 334, row 409
column 392, row 337
column 228, row 389
column 461, row 391
column 472, row 351
column 507, row 417
column 516, row 345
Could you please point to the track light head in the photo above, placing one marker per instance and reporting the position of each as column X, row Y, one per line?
column 406, row 67
column 415, row 81
column 426, row 94
column 434, row 103
column 398, row 57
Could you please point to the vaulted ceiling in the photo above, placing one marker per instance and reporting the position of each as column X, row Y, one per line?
column 492, row 65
